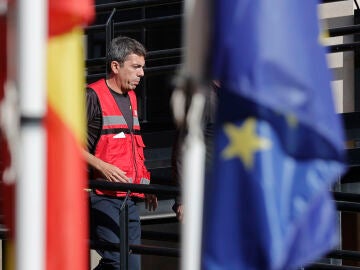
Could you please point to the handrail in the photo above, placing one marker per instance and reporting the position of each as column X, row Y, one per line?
column 349, row 201
column 344, row 254
column 318, row 266
column 137, row 249
column 345, row 196
column 348, row 207
column 150, row 189
column 343, row 47
column 154, row 250
column 344, row 30
column 160, row 236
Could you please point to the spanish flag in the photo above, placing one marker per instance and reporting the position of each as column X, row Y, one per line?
column 66, row 213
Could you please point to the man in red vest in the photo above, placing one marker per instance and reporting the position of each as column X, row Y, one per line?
column 115, row 148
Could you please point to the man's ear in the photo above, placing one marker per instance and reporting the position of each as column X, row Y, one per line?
column 115, row 66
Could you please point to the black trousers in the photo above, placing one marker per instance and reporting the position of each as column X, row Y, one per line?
column 104, row 226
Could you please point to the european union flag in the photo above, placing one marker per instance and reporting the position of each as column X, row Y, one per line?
column 278, row 141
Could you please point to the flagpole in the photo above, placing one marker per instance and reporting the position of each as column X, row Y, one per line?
column 193, row 186
column 195, row 40
column 30, row 189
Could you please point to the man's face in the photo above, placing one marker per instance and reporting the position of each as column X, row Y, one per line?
column 129, row 74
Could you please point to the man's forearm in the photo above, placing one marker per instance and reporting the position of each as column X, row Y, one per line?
column 92, row 160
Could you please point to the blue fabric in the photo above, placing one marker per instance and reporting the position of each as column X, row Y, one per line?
column 104, row 221
column 279, row 143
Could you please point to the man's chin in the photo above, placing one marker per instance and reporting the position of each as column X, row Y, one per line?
column 132, row 87
column 127, row 90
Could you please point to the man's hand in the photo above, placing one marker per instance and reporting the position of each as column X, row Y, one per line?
column 113, row 173
column 110, row 172
column 179, row 212
column 151, row 202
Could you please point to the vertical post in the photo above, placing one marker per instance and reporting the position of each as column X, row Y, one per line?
column 196, row 40
column 124, row 236
column 143, row 97
column 31, row 80
column 357, row 64
column 109, row 33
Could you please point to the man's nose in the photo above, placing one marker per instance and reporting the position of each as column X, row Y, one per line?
column 141, row 72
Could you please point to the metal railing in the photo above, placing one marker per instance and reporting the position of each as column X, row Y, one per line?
column 123, row 247
column 344, row 202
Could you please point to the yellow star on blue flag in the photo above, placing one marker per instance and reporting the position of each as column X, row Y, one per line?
column 244, row 142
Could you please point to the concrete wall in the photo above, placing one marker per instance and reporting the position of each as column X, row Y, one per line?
column 334, row 15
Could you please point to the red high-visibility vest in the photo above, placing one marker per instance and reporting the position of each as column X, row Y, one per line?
column 118, row 145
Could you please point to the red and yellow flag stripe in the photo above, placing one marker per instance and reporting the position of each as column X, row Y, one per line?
column 67, row 217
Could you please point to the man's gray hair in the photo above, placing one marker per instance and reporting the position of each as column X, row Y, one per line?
column 121, row 47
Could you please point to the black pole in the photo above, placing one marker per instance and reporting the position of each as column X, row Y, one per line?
column 357, row 64
column 124, row 240
column 109, row 34
column 357, row 5
column 144, row 104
